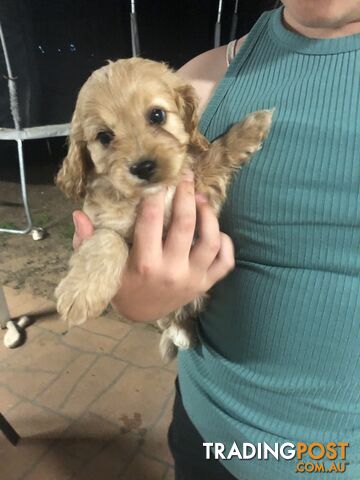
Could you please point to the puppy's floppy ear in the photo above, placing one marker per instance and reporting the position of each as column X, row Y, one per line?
column 188, row 104
column 71, row 178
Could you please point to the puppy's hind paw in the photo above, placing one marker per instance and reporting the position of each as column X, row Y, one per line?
column 168, row 350
column 179, row 337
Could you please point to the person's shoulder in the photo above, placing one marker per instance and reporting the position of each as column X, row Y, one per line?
column 205, row 71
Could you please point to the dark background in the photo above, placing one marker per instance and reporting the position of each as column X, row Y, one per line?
column 55, row 44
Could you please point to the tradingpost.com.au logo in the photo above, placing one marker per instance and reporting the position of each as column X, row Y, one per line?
column 310, row 457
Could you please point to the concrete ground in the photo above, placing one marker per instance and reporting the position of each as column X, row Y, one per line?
column 90, row 403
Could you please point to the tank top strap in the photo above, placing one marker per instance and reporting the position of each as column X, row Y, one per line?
column 235, row 65
column 230, row 51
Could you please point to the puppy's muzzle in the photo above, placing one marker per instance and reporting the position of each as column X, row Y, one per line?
column 144, row 169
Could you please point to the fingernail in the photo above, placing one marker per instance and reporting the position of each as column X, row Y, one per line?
column 75, row 222
column 188, row 175
column 201, row 198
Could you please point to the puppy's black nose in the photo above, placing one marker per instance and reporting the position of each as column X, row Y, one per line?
column 144, row 169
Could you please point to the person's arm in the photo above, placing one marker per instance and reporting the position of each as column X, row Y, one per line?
column 160, row 277
column 205, row 71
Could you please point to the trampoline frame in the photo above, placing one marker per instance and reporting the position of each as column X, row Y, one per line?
column 19, row 134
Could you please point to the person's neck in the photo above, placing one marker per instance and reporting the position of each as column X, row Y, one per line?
column 342, row 31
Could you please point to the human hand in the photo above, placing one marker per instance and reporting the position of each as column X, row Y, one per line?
column 161, row 276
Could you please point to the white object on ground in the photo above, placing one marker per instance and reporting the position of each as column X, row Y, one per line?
column 4, row 311
column 38, row 233
column 13, row 336
column 24, row 322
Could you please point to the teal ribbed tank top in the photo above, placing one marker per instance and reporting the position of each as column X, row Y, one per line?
column 279, row 358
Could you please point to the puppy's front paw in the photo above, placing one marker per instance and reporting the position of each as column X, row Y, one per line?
column 71, row 305
column 245, row 138
column 258, row 124
column 76, row 303
column 94, row 277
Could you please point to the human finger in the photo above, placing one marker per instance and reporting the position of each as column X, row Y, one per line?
column 180, row 234
column 83, row 228
column 224, row 261
column 148, row 232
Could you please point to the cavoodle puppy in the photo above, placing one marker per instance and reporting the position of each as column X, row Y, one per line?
column 134, row 131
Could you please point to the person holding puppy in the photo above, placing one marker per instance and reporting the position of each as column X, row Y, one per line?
column 279, row 356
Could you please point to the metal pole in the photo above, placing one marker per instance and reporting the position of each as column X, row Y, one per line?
column 218, row 26
column 14, row 106
column 4, row 311
column 9, row 431
column 234, row 21
column 23, row 186
column 135, row 42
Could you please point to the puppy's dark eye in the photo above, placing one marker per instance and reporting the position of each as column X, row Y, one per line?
column 157, row 116
column 105, row 137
